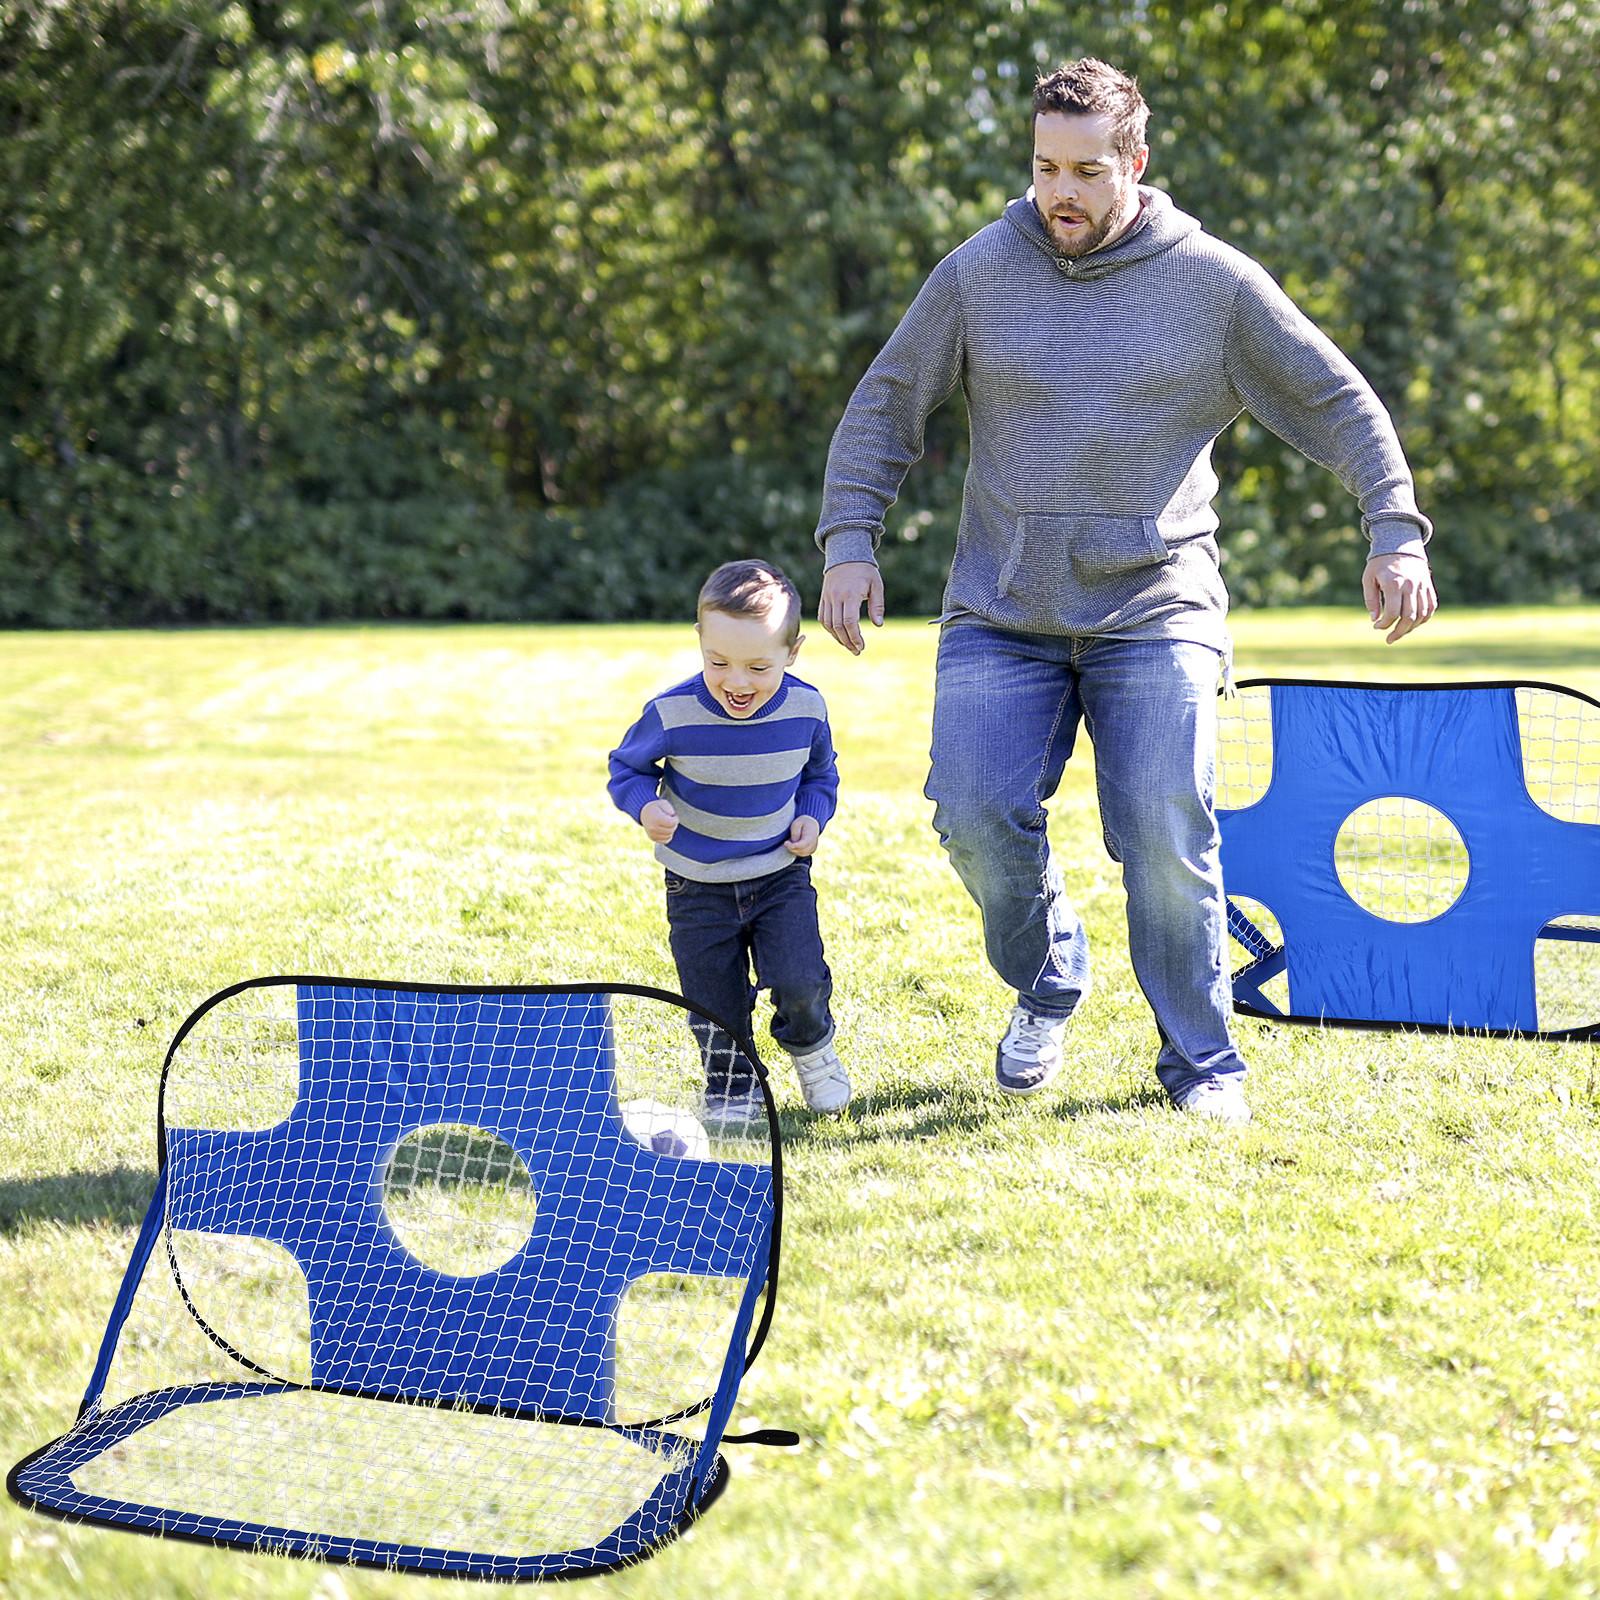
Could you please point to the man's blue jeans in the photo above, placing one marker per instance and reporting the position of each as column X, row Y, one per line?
column 718, row 931
column 1006, row 713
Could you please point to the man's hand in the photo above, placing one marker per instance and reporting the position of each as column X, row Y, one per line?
column 1399, row 593
column 803, row 835
column 844, row 589
column 659, row 820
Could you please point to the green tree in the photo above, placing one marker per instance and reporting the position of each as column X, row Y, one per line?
column 516, row 308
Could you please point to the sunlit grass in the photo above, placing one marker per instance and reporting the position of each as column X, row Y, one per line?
column 1073, row 1346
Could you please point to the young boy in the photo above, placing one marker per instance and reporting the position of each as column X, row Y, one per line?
column 731, row 773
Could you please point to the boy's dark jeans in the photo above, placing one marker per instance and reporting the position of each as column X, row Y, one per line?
column 717, row 931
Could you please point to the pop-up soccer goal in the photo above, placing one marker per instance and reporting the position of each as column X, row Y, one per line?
column 1418, row 855
column 445, row 1279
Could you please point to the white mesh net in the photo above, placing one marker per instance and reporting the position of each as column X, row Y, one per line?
column 1560, row 753
column 1400, row 859
column 1566, row 974
column 1244, row 747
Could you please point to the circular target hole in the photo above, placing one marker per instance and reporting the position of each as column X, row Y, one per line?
column 1400, row 859
column 459, row 1198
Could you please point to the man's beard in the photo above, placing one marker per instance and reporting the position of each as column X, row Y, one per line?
column 1092, row 239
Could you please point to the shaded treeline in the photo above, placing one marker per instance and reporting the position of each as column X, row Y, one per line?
column 498, row 309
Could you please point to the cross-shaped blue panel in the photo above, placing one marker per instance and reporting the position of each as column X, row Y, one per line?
column 1337, row 747
column 536, row 1070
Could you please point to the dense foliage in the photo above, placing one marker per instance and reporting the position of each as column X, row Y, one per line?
column 506, row 309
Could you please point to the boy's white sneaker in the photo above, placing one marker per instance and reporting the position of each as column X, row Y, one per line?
column 822, row 1079
column 1030, row 1054
column 1218, row 1099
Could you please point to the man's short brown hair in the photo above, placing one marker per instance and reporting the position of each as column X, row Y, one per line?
column 752, row 589
column 1086, row 86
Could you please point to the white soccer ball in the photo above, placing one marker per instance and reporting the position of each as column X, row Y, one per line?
column 667, row 1130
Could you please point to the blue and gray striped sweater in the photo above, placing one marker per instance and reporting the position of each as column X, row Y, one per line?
column 737, row 783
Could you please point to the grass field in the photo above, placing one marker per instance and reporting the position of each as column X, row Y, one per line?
column 1074, row 1346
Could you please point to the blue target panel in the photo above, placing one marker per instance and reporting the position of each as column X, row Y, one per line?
column 1422, row 855
column 429, row 1278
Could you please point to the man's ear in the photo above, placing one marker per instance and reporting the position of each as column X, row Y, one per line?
column 1141, row 160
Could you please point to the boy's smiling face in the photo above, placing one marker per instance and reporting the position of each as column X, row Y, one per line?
column 744, row 658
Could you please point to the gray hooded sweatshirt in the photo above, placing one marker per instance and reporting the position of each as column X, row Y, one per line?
column 1095, row 387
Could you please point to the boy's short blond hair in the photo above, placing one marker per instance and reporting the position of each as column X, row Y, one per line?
column 751, row 589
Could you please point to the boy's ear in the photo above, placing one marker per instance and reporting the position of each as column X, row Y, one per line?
column 794, row 649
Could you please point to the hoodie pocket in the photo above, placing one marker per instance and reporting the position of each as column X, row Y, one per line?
column 1096, row 547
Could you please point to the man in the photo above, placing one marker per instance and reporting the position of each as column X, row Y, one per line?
column 1103, row 340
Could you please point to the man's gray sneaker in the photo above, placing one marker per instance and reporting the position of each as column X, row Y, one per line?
column 1218, row 1099
column 1030, row 1054
column 822, row 1079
